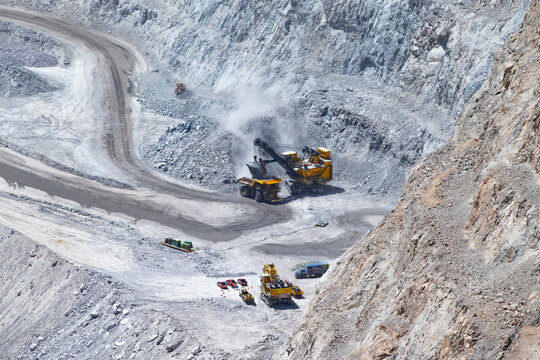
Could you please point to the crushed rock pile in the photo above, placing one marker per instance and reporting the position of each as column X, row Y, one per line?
column 21, row 48
column 195, row 151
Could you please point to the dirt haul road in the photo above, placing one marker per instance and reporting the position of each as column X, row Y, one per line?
column 119, row 62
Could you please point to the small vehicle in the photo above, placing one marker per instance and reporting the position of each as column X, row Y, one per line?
column 185, row 246
column 296, row 291
column 222, row 285
column 179, row 88
column 242, row 282
column 321, row 223
column 231, row 283
column 246, row 296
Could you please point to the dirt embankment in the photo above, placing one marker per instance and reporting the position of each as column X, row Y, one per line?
column 53, row 309
column 453, row 272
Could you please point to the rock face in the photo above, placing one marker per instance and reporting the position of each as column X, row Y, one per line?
column 380, row 83
column 453, row 272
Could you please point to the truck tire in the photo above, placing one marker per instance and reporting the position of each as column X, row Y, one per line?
column 259, row 196
column 267, row 300
column 245, row 191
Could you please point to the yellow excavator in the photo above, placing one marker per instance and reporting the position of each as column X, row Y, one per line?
column 273, row 289
column 307, row 173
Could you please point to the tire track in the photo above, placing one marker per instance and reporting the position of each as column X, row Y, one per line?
column 121, row 62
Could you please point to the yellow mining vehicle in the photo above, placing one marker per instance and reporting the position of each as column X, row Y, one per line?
column 179, row 88
column 246, row 296
column 274, row 290
column 271, row 270
column 260, row 189
column 296, row 291
column 307, row 173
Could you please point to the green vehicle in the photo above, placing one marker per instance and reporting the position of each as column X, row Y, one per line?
column 185, row 246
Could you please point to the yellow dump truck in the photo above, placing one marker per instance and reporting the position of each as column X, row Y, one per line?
column 261, row 190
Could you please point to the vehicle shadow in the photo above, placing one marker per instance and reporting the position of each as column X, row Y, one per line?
column 327, row 190
column 286, row 306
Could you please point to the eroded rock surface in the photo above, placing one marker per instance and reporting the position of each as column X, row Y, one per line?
column 380, row 83
column 453, row 272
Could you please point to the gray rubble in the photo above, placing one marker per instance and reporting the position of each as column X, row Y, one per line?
column 21, row 48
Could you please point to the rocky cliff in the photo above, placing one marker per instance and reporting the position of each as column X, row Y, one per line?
column 380, row 83
column 453, row 272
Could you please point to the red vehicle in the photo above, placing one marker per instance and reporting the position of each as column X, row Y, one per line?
column 242, row 282
column 231, row 283
column 222, row 285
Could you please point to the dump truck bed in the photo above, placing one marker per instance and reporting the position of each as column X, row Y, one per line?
column 252, row 182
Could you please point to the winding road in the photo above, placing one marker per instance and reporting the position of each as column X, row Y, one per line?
column 153, row 190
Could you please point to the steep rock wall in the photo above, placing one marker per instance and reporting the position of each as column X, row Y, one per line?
column 453, row 272
column 404, row 67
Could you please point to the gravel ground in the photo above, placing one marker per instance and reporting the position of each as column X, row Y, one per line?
column 379, row 113
column 117, row 291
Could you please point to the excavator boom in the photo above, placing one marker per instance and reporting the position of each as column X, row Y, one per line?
column 277, row 158
column 306, row 173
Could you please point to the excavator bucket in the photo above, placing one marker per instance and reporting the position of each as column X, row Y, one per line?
column 257, row 170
